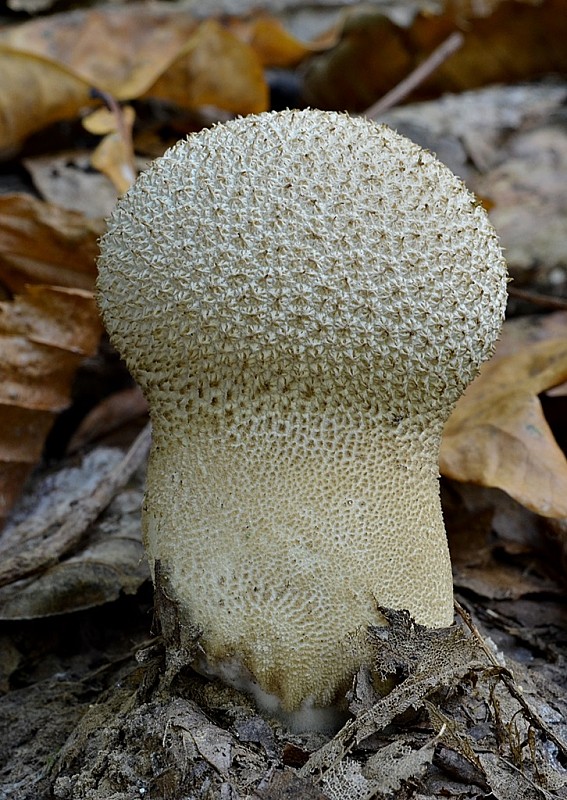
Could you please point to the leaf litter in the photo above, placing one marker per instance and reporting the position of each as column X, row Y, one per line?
column 454, row 701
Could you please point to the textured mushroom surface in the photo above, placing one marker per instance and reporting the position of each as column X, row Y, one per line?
column 303, row 296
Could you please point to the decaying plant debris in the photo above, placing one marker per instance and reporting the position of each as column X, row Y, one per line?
column 97, row 711
column 458, row 718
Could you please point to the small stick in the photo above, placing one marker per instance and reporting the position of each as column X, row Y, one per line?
column 417, row 76
column 509, row 682
column 123, row 130
column 557, row 303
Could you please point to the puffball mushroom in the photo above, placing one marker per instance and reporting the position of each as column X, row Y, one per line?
column 302, row 296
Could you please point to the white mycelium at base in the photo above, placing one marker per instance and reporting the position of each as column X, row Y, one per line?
column 302, row 297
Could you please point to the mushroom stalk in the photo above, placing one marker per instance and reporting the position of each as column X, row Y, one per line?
column 293, row 542
column 303, row 297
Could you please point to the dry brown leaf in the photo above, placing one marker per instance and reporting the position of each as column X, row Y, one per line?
column 103, row 121
column 522, row 332
column 519, row 40
column 32, row 375
column 114, row 156
column 42, row 243
column 477, row 554
column 214, row 68
column 35, row 92
column 498, row 436
column 67, row 180
column 114, row 159
column 77, row 542
column 370, row 57
column 44, row 334
column 127, row 52
column 121, row 49
column 274, row 46
column 52, row 317
column 528, row 193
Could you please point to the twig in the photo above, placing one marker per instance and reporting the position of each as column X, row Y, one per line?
column 417, row 76
column 508, row 680
column 123, row 129
column 54, row 545
column 538, row 299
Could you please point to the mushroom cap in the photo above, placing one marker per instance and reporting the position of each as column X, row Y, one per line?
column 303, row 296
column 305, row 254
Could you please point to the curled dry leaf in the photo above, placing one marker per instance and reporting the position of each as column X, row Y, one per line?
column 44, row 334
column 528, row 192
column 107, row 416
column 120, row 49
column 114, row 155
column 521, row 333
column 43, row 243
column 72, row 550
column 130, row 52
column 498, row 436
column 112, row 565
column 269, row 39
column 214, row 68
column 425, row 660
column 369, row 58
column 35, row 92
column 67, row 179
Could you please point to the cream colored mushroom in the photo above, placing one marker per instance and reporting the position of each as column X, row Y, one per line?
column 302, row 296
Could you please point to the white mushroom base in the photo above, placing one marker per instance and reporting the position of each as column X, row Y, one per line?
column 308, row 717
column 281, row 537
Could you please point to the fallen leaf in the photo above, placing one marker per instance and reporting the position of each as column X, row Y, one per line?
column 498, row 436
column 121, row 49
column 370, row 57
column 528, row 193
column 214, row 68
column 52, row 316
column 522, row 332
column 44, row 335
column 477, row 565
column 93, row 561
column 113, row 565
column 283, row 784
column 34, row 93
column 114, row 155
column 67, row 179
column 274, row 46
column 42, row 243
column 505, row 42
column 136, row 51
column 108, row 415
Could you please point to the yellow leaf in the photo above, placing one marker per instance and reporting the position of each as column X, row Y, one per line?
column 275, row 46
column 214, row 68
column 114, row 155
column 103, row 120
column 35, row 92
